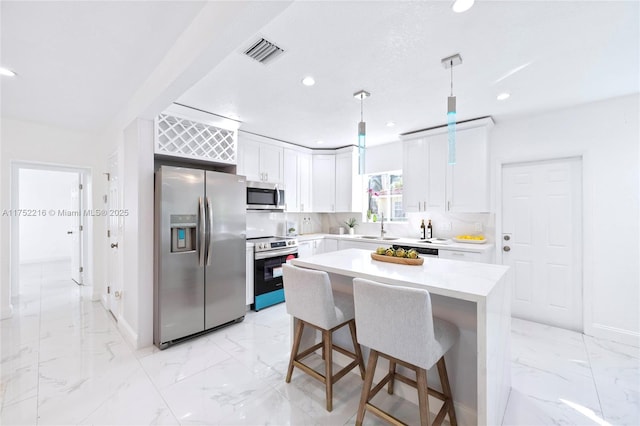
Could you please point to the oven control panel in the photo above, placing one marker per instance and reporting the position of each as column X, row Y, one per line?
column 275, row 244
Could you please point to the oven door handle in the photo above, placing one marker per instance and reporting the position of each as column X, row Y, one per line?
column 274, row 253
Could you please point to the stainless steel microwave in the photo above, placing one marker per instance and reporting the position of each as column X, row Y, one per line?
column 264, row 196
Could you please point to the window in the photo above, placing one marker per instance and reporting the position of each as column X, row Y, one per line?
column 384, row 196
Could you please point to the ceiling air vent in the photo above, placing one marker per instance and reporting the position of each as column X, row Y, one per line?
column 263, row 51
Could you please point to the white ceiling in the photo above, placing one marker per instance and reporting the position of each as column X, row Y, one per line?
column 79, row 63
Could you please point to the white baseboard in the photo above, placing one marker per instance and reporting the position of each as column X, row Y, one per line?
column 615, row 334
column 127, row 331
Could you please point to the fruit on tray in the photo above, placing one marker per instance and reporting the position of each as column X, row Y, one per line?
column 471, row 237
column 400, row 252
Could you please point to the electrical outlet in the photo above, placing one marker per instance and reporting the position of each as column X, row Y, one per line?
column 478, row 227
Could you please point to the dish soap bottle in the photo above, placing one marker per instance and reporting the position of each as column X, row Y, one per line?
column 429, row 229
column 423, row 231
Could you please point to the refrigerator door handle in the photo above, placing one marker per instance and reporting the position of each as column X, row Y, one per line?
column 201, row 232
column 209, row 231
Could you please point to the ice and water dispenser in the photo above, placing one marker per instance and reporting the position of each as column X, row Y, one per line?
column 183, row 232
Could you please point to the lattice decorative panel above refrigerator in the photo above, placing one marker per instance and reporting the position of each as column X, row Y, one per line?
column 180, row 137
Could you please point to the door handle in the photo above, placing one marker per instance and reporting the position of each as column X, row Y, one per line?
column 69, row 232
column 506, row 248
column 114, row 245
column 202, row 235
column 210, row 233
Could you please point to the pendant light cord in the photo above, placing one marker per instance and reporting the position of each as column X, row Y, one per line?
column 451, row 77
column 361, row 107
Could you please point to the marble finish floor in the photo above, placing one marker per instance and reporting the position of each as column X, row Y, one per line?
column 63, row 361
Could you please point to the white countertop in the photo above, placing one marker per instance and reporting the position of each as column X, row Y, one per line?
column 452, row 278
column 414, row 242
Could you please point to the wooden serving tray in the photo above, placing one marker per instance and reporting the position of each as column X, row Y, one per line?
column 401, row 260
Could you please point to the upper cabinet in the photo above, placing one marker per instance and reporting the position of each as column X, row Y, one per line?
column 259, row 160
column 430, row 184
column 324, row 183
column 297, row 180
column 336, row 184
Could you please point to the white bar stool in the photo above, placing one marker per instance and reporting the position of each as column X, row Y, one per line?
column 397, row 323
column 310, row 300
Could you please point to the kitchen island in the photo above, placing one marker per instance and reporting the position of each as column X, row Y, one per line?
column 474, row 296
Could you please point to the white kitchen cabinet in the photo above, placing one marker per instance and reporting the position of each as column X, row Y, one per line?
column 349, row 189
column 468, row 256
column 249, row 275
column 324, row 183
column 336, row 185
column 430, row 184
column 297, row 181
column 358, row 244
column 329, row 245
column 310, row 247
column 259, row 161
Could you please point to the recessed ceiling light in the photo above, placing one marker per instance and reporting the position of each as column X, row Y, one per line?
column 503, row 96
column 390, row 124
column 308, row 81
column 319, row 142
column 460, row 6
column 7, row 72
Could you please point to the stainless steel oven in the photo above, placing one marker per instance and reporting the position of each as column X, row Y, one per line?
column 269, row 255
column 264, row 196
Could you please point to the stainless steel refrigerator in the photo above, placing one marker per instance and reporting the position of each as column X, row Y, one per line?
column 200, row 252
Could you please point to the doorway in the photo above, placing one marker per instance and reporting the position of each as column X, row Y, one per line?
column 49, row 231
column 541, row 240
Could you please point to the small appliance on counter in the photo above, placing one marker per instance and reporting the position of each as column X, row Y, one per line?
column 270, row 253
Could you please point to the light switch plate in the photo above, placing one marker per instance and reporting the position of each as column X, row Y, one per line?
column 478, row 227
column 445, row 226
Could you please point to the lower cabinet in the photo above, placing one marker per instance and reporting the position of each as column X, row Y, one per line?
column 468, row 256
column 330, row 245
column 310, row 247
column 347, row 244
column 249, row 277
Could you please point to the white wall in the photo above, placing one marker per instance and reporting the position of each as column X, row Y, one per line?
column 136, row 318
column 606, row 134
column 45, row 238
column 24, row 141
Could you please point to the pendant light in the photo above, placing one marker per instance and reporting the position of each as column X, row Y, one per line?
column 362, row 130
column 449, row 63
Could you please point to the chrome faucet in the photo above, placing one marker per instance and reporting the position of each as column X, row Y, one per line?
column 382, row 231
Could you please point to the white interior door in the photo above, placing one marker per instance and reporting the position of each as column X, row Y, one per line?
column 542, row 240
column 76, row 232
column 114, row 231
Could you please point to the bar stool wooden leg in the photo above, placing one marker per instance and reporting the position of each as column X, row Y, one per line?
column 366, row 387
column 328, row 362
column 297, row 337
column 392, row 376
column 356, row 347
column 423, row 396
column 446, row 390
